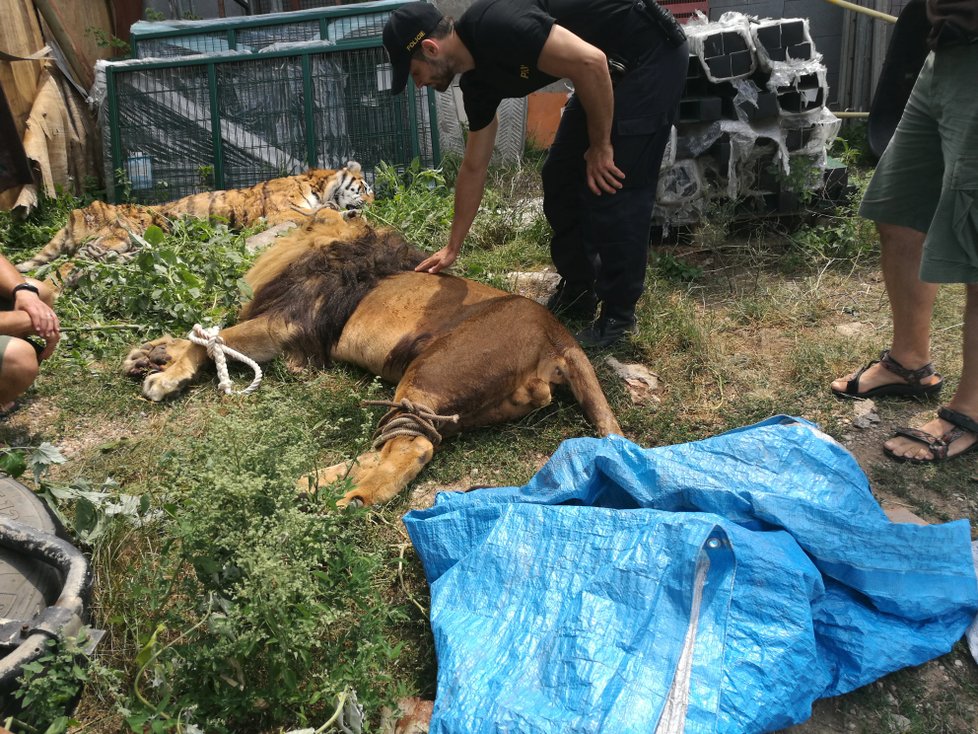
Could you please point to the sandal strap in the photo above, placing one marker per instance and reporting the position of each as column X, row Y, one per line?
column 959, row 420
column 937, row 444
column 852, row 387
column 913, row 377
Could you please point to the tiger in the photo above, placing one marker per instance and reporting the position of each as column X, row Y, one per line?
column 102, row 231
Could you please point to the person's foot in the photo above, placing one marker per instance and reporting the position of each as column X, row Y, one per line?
column 886, row 376
column 605, row 332
column 573, row 302
column 936, row 440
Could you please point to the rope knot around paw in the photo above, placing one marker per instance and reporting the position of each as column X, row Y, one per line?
column 217, row 350
column 406, row 418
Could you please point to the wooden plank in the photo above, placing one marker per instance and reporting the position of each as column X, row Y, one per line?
column 20, row 35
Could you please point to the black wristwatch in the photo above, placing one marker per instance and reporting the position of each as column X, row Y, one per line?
column 24, row 287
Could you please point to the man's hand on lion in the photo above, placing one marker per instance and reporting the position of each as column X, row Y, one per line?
column 439, row 261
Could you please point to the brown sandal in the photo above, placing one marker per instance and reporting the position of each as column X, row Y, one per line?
column 938, row 445
column 913, row 388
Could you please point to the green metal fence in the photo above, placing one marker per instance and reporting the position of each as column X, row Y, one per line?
column 159, row 39
column 179, row 126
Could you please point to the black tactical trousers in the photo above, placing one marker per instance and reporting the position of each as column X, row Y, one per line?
column 602, row 241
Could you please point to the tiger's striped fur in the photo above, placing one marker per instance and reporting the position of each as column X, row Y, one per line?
column 100, row 231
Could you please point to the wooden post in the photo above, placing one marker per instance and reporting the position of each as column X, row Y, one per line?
column 84, row 72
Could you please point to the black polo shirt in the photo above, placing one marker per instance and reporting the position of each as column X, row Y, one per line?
column 505, row 38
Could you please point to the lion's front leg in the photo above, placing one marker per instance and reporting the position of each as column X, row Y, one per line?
column 181, row 361
column 178, row 366
column 167, row 364
column 377, row 476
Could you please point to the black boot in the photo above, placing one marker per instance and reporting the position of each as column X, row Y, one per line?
column 609, row 329
column 573, row 302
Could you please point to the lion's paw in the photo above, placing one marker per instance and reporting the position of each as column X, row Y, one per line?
column 161, row 385
column 147, row 358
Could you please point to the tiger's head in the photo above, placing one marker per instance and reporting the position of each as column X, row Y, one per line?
column 343, row 189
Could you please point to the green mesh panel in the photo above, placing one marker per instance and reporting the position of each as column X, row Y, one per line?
column 183, row 125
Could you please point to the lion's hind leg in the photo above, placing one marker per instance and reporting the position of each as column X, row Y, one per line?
column 405, row 442
column 376, row 475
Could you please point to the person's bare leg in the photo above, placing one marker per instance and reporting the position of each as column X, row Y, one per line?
column 18, row 372
column 911, row 306
column 965, row 400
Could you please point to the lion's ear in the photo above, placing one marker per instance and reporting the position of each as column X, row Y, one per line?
column 353, row 167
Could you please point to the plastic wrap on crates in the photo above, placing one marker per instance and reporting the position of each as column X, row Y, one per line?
column 695, row 140
column 680, row 184
column 724, row 47
column 740, row 140
column 293, row 46
column 783, row 41
column 743, row 132
column 671, row 215
column 759, row 170
column 811, row 134
column 801, row 86
column 746, row 94
column 669, row 154
column 747, row 141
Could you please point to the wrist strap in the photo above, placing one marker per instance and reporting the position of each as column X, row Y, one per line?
column 25, row 287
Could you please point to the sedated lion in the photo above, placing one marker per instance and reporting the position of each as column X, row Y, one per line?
column 462, row 354
column 100, row 231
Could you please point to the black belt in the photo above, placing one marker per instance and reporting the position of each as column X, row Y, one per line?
column 666, row 22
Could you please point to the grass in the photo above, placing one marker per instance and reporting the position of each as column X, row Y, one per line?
column 232, row 604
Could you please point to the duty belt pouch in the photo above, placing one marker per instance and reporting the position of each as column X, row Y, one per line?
column 666, row 22
column 616, row 69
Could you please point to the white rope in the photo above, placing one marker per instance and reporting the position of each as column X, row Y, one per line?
column 219, row 351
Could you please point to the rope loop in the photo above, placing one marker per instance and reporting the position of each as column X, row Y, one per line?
column 219, row 352
column 408, row 419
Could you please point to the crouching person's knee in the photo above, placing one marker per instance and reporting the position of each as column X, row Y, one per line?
column 18, row 366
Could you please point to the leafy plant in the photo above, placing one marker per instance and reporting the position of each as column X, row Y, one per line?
column 16, row 460
column 838, row 235
column 415, row 201
column 262, row 609
column 191, row 275
column 802, row 178
column 672, row 268
column 49, row 686
column 26, row 235
column 106, row 40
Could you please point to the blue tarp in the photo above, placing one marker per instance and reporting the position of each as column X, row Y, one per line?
column 716, row 586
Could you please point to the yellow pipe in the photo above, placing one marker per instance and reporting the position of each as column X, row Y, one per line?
column 866, row 11
column 843, row 115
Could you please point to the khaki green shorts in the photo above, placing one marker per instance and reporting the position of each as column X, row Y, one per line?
column 927, row 178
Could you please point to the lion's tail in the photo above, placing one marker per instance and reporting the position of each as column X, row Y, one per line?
column 586, row 388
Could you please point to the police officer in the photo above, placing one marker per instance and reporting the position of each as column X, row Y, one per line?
column 627, row 61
